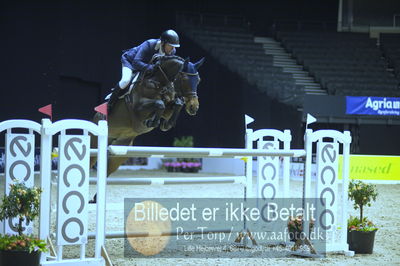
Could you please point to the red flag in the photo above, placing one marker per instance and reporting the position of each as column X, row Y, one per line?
column 47, row 110
column 102, row 109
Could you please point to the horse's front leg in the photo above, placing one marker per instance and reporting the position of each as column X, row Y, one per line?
column 153, row 107
column 171, row 115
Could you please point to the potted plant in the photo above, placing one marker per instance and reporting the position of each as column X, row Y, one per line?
column 295, row 227
column 361, row 231
column 23, row 203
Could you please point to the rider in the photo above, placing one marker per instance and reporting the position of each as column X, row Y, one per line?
column 137, row 59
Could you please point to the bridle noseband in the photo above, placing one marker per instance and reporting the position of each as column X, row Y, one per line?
column 192, row 94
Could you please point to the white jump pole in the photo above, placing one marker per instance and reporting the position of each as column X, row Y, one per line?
column 141, row 151
column 122, row 234
column 140, row 181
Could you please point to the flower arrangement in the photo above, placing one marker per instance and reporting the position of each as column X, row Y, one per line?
column 22, row 243
column 182, row 166
column 190, row 165
column 172, row 166
column 354, row 224
column 362, row 194
column 23, row 203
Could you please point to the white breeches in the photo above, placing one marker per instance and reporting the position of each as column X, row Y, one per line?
column 126, row 77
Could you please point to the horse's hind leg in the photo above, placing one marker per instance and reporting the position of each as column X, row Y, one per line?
column 93, row 145
column 114, row 162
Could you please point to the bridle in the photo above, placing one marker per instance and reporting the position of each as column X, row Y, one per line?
column 170, row 84
column 192, row 94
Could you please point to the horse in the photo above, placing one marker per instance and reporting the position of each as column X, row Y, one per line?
column 156, row 100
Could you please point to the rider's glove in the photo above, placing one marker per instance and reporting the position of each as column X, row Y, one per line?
column 150, row 69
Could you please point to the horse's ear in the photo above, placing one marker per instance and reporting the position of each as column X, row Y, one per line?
column 185, row 64
column 199, row 63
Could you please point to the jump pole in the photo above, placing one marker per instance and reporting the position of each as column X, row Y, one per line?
column 173, row 181
column 122, row 234
column 142, row 151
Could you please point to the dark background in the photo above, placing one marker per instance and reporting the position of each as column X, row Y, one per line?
column 67, row 53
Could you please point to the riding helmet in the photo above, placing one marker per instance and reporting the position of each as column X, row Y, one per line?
column 170, row 37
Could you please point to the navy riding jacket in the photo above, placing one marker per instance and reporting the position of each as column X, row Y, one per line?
column 138, row 58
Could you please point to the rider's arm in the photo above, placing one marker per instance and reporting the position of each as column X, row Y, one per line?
column 143, row 55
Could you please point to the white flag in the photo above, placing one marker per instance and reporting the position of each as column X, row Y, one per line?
column 248, row 119
column 310, row 119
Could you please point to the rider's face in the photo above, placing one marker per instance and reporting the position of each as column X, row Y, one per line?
column 168, row 48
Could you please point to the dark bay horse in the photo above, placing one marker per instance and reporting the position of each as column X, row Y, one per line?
column 155, row 100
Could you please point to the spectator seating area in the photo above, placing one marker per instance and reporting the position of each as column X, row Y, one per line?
column 390, row 45
column 235, row 48
column 345, row 63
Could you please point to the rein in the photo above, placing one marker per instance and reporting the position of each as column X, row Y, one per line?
column 164, row 75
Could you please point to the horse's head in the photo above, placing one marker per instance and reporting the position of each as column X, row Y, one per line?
column 186, row 85
column 167, row 68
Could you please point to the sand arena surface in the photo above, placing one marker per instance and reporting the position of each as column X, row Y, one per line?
column 383, row 212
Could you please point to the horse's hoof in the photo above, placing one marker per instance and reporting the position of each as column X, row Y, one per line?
column 152, row 123
column 166, row 126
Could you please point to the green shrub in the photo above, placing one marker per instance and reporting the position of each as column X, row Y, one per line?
column 362, row 194
column 23, row 203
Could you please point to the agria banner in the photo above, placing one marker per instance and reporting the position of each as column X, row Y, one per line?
column 372, row 105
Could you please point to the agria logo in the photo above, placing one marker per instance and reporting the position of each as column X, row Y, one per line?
column 383, row 104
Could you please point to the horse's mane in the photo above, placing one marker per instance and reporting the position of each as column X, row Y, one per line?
column 163, row 58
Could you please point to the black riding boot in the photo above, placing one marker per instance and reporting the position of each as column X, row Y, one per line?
column 114, row 97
